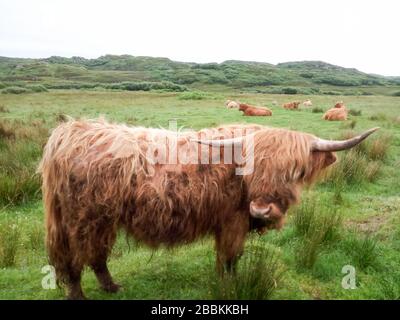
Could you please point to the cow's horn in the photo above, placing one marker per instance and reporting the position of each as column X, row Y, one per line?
column 221, row 143
column 332, row 145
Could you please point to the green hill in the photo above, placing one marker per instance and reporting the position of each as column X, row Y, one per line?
column 127, row 72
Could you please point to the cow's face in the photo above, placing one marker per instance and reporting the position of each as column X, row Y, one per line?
column 267, row 213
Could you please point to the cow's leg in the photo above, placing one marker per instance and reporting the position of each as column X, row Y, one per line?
column 230, row 243
column 103, row 275
column 73, row 284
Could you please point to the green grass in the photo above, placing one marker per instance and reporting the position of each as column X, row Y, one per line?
column 311, row 249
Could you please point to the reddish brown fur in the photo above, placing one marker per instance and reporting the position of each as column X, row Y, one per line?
column 97, row 180
column 339, row 105
column 336, row 114
column 292, row 105
column 249, row 110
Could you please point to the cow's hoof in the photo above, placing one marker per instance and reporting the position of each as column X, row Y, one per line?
column 112, row 288
column 76, row 297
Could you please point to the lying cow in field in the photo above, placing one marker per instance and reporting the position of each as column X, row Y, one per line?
column 336, row 114
column 291, row 105
column 307, row 103
column 99, row 177
column 230, row 104
column 249, row 110
column 339, row 105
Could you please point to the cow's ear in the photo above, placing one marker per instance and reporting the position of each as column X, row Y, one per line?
column 323, row 159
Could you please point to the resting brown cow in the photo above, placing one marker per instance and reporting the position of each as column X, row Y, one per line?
column 99, row 177
column 292, row 105
column 249, row 110
column 336, row 114
column 339, row 104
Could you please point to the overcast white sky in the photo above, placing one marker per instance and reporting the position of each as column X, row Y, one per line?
column 350, row 33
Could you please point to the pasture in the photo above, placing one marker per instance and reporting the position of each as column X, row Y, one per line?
column 351, row 217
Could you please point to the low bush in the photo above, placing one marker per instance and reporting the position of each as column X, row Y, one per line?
column 15, row 90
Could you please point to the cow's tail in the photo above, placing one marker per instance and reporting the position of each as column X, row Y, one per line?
column 57, row 242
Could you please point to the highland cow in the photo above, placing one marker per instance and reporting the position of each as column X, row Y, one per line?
column 292, row 105
column 249, row 110
column 307, row 103
column 98, row 178
column 339, row 105
column 336, row 114
column 230, row 104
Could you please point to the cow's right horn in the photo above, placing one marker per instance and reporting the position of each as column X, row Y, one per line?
column 332, row 145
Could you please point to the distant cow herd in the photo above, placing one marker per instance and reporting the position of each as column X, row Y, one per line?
column 339, row 111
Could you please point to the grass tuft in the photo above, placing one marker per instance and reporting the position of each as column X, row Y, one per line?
column 257, row 277
column 9, row 242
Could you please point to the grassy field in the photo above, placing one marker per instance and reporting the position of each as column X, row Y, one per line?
column 352, row 217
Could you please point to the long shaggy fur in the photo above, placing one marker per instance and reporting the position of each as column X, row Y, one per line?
column 97, row 179
column 336, row 114
column 249, row 110
column 291, row 105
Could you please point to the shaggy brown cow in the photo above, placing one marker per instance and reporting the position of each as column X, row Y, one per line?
column 249, row 110
column 292, row 105
column 98, row 177
column 339, row 104
column 230, row 104
column 336, row 114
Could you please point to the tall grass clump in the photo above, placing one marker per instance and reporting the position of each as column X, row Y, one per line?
column 3, row 109
column 363, row 251
column 9, row 242
column 20, row 150
column 315, row 223
column 360, row 164
column 317, row 110
column 256, row 278
column 378, row 117
column 36, row 236
column 354, row 112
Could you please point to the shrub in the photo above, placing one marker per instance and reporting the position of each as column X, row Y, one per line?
column 3, row 109
column 193, row 95
column 317, row 110
column 289, row 91
column 37, row 88
column 354, row 112
column 257, row 276
column 6, row 132
column 15, row 90
column 9, row 242
column 350, row 124
column 378, row 117
column 396, row 94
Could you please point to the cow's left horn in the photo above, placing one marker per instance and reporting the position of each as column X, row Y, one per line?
column 221, row 143
column 332, row 145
